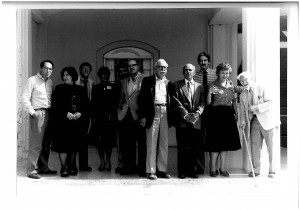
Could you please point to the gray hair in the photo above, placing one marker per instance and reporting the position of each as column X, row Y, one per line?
column 245, row 74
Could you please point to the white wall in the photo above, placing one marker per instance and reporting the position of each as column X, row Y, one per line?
column 75, row 35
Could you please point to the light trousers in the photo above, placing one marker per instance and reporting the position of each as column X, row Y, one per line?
column 37, row 125
column 157, row 142
column 257, row 135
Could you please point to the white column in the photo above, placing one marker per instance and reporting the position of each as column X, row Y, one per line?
column 261, row 56
column 293, row 157
column 24, row 70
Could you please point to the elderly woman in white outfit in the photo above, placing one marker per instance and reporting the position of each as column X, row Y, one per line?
column 258, row 120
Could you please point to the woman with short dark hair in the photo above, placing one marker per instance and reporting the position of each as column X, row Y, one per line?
column 104, row 113
column 69, row 107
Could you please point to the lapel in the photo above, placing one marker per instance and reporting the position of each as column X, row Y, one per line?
column 184, row 88
column 255, row 94
column 138, row 84
column 125, row 85
column 196, row 92
column 152, row 85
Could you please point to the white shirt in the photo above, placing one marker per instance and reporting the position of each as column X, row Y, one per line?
column 37, row 93
column 192, row 86
column 160, row 91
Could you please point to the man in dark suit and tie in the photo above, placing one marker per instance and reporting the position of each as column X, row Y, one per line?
column 155, row 116
column 188, row 100
column 130, row 130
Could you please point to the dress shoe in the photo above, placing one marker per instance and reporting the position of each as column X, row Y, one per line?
column 271, row 175
column 48, row 171
column 251, row 174
column 181, row 176
column 124, row 171
column 85, row 168
column 117, row 170
column 73, row 172
column 108, row 167
column 34, row 176
column 224, row 173
column 213, row 174
column 194, row 176
column 164, row 175
column 64, row 173
column 151, row 176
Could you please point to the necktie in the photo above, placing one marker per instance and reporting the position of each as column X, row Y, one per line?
column 86, row 88
column 189, row 89
column 205, row 83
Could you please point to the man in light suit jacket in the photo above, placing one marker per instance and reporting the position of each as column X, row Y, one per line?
column 188, row 100
column 259, row 120
column 155, row 116
column 130, row 130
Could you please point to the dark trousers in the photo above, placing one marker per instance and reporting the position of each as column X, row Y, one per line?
column 200, row 157
column 187, row 147
column 83, row 151
column 130, row 133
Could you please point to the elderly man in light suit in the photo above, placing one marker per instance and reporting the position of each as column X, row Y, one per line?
column 130, row 130
column 188, row 100
column 259, row 120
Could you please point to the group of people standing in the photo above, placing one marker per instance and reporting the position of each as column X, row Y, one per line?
column 138, row 110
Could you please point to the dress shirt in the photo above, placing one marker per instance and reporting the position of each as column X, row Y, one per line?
column 37, row 93
column 192, row 86
column 211, row 76
column 160, row 91
column 132, row 84
column 89, row 86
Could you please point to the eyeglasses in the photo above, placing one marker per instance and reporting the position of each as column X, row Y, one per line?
column 161, row 67
column 132, row 65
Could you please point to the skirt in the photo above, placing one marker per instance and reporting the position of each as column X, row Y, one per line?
column 221, row 132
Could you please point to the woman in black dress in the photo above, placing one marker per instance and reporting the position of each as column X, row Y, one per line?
column 104, row 112
column 221, row 132
column 69, row 108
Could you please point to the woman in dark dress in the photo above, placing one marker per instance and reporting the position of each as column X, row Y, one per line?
column 221, row 132
column 104, row 112
column 69, row 107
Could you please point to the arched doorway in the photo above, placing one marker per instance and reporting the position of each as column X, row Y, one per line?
column 120, row 52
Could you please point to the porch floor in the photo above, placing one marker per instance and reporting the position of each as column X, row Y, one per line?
column 108, row 190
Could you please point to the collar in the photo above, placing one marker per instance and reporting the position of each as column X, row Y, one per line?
column 134, row 80
column 83, row 80
column 192, row 81
column 160, row 80
column 40, row 76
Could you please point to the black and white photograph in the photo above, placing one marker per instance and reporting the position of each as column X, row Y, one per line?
column 150, row 105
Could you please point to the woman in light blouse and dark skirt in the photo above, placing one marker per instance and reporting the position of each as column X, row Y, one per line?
column 221, row 132
column 69, row 108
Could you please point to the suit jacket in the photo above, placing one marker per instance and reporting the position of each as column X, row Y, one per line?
column 183, row 106
column 147, row 98
column 266, row 114
column 129, row 101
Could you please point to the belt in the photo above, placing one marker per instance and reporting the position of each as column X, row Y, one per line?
column 40, row 109
column 160, row 104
